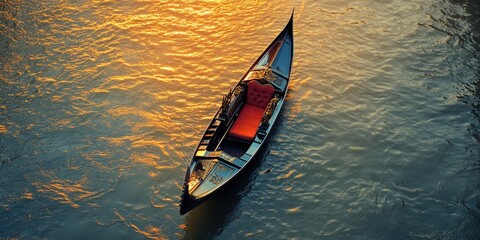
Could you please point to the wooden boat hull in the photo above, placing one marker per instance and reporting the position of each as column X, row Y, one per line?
column 230, row 142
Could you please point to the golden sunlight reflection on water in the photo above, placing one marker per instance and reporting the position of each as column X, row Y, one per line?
column 103, row 102
column 141, row 80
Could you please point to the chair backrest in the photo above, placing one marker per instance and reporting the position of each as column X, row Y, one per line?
column 259, row 95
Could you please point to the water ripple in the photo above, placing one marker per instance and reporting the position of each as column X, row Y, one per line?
column 102, row 103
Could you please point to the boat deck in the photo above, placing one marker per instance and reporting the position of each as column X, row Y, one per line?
column 234, row 148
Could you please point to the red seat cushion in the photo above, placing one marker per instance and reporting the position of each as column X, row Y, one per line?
column 246, row 125
column 259, row 95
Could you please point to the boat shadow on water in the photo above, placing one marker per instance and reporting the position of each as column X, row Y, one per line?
column 215, row 214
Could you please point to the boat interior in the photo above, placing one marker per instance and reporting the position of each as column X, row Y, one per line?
column 247, row 120
column 245, row 115
column 235, row 134
column 244, row 118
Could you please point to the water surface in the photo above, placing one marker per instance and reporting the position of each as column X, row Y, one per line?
column 103, row 102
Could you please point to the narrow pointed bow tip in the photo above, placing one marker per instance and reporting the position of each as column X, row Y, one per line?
column 289, row 25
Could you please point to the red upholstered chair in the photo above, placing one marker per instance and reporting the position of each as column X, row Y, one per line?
column 246, row 125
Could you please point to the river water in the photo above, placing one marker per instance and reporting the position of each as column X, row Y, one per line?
column 103, row 102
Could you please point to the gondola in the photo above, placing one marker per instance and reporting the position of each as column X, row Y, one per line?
column 242, row 124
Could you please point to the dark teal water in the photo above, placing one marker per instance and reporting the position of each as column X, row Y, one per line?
column 103, row 102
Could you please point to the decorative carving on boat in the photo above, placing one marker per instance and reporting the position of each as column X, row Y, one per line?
column 269, row 110
column 198, row 173
column 269, row 75
column 216, row 177
column 238, row 89
column 232, row 101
